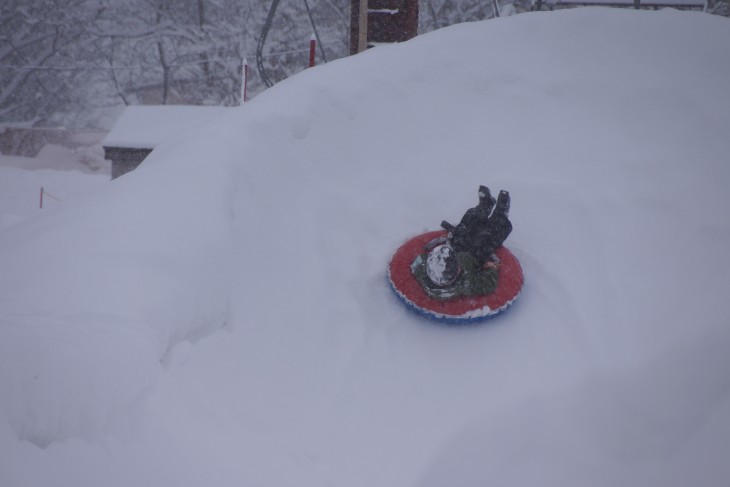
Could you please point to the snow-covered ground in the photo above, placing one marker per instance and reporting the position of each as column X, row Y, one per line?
column 61, row 172
column 220, row 316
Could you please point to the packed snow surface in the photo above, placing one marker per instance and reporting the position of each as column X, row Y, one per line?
column 220, row 316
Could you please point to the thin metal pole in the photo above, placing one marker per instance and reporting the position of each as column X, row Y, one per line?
column 262, row 41
column 244, row 81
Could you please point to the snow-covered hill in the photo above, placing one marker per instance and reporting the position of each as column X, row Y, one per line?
column 220, row 316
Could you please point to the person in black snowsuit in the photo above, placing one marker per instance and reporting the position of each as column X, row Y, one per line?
column 484, row 228
column 475, row 219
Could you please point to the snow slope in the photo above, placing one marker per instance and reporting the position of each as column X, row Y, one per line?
column 220, row 316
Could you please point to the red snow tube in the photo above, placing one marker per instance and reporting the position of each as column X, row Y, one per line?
column 458, row 310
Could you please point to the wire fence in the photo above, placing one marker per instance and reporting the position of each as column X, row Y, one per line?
column 147, row 66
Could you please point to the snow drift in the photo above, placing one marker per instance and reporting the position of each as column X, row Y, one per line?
column 608, row 127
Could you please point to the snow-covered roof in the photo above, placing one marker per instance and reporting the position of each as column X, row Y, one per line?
column 146, row 126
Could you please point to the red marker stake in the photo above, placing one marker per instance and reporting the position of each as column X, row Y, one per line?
column 312, row 48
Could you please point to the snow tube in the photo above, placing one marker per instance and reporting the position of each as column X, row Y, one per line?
column 463, row 309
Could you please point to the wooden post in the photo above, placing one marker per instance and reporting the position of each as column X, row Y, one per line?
column 41, row 197
column 362, row 27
